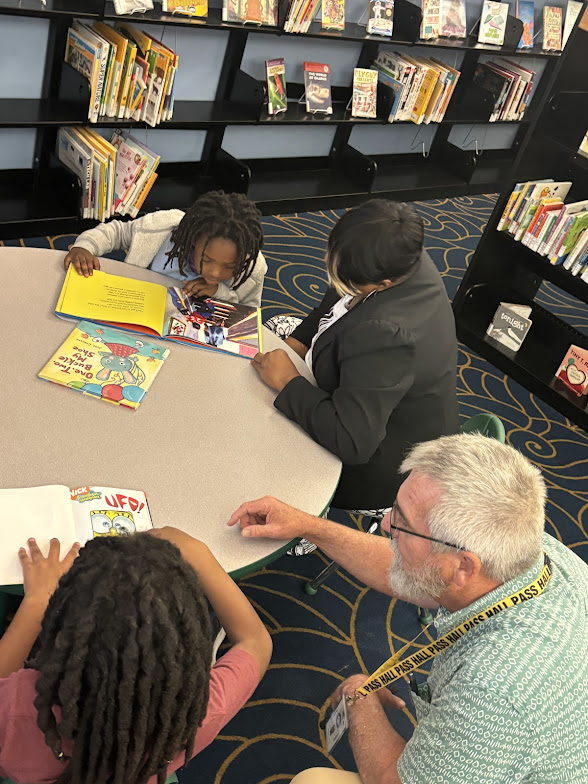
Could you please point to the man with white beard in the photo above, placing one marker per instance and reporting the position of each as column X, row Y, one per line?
column 505, row 701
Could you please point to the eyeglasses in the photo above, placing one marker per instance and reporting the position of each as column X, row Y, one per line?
column 396, row 511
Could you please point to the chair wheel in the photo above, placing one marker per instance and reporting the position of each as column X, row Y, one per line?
column 308, row 588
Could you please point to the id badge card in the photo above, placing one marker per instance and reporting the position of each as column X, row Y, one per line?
column 336, row 725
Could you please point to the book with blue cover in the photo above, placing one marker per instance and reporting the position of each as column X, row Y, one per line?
column 525, row 11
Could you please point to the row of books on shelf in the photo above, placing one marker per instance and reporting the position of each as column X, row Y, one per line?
column 421, row 88
column 536, row 215
column 116, row 175
column 510, row 84
column 509, row 327
column 130, row 73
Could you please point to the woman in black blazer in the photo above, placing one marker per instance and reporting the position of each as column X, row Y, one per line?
column 383, row 351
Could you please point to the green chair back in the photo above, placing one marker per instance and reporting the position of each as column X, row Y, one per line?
column 486, row 424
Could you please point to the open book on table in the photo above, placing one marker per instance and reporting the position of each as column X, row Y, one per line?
column 76, row 515
column 152, row 309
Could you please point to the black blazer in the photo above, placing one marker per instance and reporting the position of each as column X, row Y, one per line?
column 386, row 377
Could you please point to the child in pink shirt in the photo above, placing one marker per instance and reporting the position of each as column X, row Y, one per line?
column 118, row 687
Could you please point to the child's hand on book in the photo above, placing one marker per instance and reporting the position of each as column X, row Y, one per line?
column 199, row 288
column 275, row 368
column 40, row 574
column 84, row 262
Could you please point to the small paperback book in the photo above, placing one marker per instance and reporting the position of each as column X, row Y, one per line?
column 493, row 23
column 277, row 100
column 573, row 9
column 525, row 11
column 573, row 371
column 452, row 23
column 365, row 92
column 430, row 20
column 510, row 325
column 333, row 14
column 552, row 28
column 317, row 87
column 106, row 363
column 185, row 7
column 380, row 17
column 252, row 11
column 55, row 511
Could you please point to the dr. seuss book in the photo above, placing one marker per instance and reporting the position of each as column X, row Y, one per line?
column 106, row 363
column 317, row 87
column 552, row 24
column 493, row 23
column 525, row 11
column 452, row 22
column 510, row 325
column 151, row 309
column 277, row 99
column 333, row 14
column 430, row 20
column 380, row 17
column 573, row 371
column 365, row 92
column 55, row 511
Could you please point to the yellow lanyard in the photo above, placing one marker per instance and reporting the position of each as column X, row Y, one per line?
column 393, row 668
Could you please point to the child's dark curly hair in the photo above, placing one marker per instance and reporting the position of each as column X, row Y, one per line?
column 124, row 653
column 219, row 215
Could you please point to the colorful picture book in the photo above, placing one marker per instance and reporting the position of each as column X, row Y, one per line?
column 183, row 7
column 365, row 92
column 55, row 511
column 333, row 14
column 380, row 17
column 300, row 14
column 105, row 363
column 525, row 11
column 422, row 86
column 510, row 325
column 552, row 28
column 151, row 309
column 573, row 371
column 573, row 9
column 116, row 176
column 130, row 73
column 317, row 87
column 430, row 19
column 493, row 23
column 452, row 22
column 277, row 98
column 536, row 215
column 511, row 85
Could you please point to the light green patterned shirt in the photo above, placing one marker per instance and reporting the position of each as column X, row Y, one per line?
column 509, row 701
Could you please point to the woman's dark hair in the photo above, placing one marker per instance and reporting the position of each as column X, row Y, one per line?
column 219, row 215
column 124, row 653
column 375, row 241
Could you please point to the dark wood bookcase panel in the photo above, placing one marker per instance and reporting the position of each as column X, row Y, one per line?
column 503, row 270
column 342, row 178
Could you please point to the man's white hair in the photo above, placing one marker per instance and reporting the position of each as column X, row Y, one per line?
column 492, row 501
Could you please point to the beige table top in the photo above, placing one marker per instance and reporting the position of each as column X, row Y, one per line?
column 205, row 439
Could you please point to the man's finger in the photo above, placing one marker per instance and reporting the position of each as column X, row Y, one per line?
column 241, row 513
column 23, row 556
column 36, row 553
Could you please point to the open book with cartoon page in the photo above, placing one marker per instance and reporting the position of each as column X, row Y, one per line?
column 76, row 515
column 142, row 306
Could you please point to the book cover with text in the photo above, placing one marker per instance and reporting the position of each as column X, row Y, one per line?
column 493, row 23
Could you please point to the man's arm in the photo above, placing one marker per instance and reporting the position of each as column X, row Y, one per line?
column 375, row 743
column 365, row 556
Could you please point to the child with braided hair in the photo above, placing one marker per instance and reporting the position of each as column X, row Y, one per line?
column 118, row 688
column 214, row 247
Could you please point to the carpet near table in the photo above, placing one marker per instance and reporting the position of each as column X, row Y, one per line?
column 347, row 628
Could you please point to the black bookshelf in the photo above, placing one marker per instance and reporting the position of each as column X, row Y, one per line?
column 503, row 270
column 343, row 178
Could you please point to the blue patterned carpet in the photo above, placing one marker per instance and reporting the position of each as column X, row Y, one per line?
column 346, row 628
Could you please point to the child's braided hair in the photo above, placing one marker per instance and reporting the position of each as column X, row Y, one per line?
column 219, row 215
column 124, row 653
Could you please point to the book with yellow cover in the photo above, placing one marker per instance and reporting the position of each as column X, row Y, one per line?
column 421, row 102
column 105, row 363
column 151, row 309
